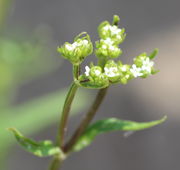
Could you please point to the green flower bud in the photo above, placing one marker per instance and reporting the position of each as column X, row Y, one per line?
column 126, row 73
column 95, row 71
column 93, row 78
column 107, row 49
column 106, row 30
column 138, row 61
column 77, row 51
column 116, row 20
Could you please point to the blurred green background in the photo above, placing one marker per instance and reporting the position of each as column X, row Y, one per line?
column 33, row 79
column 24, row 58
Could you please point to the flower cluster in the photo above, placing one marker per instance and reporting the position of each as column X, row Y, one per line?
column 106, row 30
column 143, row 66
column 107, row 49
column 113, row 73
column 77, row 51
column 111, row 36
column 107, row 71
column 94, row 78
column 117, row 72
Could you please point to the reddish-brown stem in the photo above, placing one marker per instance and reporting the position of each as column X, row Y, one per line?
column 85, row 122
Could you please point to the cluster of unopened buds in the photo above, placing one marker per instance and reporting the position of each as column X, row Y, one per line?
column 107, row 71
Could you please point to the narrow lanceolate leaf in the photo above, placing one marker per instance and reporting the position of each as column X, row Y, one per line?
column 153, row 54
column 112, row 124
column 29, row 115
column 41, row 149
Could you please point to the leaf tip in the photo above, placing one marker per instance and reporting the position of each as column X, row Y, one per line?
column 164, row 119
column 11, row 129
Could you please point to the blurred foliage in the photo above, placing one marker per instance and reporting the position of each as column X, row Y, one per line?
column 22, row 61
column 4, row 6
column 19, row 62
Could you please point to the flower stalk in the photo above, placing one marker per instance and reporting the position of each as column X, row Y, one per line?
column 86, row 121
column 55, row 164
column 65, row 114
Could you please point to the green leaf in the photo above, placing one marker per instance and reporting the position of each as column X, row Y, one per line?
column 35, row 115
column 154, row 53
column 41, row 149
column 111, row 124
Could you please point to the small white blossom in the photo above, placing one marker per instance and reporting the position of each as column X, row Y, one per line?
column 85, row 42
column 106, row 27
column 111, row 47
column 147, row 65
column 114, row 29
column 136, row 71
column 119, row 37
column 108, row 41
column 71, row 47
column 111, row 72
column 97, row 72
column 87, row 71
column 75, row 44
column 123, row 68
column 104, row 47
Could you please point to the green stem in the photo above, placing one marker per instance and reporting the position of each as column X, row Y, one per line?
column 101, row 62
column 76, row 71
column 67, row 107
column 85, row 122
column 57, row 161
column 65, row 114
column 55, row 164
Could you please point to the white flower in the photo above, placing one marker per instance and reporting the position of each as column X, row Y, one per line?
column 75, row 44
column 108, row 41
column 71, row 47
column 147, row 65
column 119, row 37
column 107, row 27
column 85, row 42
column 111, row 72
column 104, row 47
column 111, row 47
column 113, row 29
column 136, row 71
column 123, row 68
column 87, row 71
column 97, row 72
